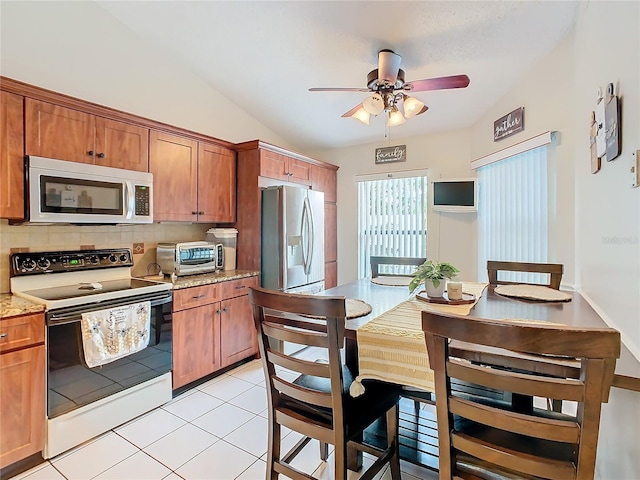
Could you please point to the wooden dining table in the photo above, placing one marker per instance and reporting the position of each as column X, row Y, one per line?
column 418, row 431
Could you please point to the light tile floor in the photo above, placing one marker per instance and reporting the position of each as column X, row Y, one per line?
column 216, row 431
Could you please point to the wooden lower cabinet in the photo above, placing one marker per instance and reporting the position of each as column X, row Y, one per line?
column 238, row 334
column 196, row 343
column 22, row 389
column 217, row 330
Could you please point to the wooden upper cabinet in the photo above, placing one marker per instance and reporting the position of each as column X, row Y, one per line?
column 273, row 165
column 325, row 180
column 58, row 132
column 299, row 171
column 173, row 161
column 121, row 145
column 281, row 167
column 216, row 184
column 11, row 156
column 66, row 134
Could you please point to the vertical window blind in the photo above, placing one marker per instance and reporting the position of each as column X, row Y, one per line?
column 513, row 213
column 392, row 221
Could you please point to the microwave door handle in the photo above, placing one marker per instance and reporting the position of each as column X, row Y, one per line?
column 129, row 199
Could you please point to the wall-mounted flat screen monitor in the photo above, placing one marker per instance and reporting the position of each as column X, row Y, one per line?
column 455, row 195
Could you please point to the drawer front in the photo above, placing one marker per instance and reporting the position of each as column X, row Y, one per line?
column 20, row 332
column 236, row 288
column 195, row 296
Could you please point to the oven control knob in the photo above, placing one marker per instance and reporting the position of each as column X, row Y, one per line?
column 94, row 260
column 28, row 265
column 113, row 258
column 124, row 257
column 43, row 263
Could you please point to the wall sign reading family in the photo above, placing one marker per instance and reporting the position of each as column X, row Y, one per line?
column 391, row 154
column 508, row 125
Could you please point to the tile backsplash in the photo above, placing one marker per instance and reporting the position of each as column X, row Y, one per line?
column 37, row 238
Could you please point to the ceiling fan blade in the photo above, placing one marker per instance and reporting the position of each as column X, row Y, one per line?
column 439, row 83
column 388, row 66
column 338, row 89
column 352, row 111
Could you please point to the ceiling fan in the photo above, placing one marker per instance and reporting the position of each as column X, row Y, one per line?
column 390, row 91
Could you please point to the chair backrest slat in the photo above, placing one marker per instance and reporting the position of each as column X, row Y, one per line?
column 547, row 428
column 551, row 469
column 376, row 261
column 303, row 394
column 566, row 389
column 299, row 365
column 555, row 271
column 284, row 334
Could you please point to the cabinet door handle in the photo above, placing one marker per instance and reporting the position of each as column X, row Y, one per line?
column 217, row 312
column 91, row 153
column 200, row 213
column 199, row 296
column 101, row 155
column 225, row 309
column 241, row 287
column 194, row 213
column 3, row 335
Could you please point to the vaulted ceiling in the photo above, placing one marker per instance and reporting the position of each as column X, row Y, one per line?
column 265, row 55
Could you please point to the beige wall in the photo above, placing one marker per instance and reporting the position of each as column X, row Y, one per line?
column 546, row 94
column 79, row 49
column 607, row 226
column 451, row 237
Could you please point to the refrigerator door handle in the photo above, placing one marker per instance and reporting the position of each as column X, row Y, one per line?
column 312, row 234
column 304, row 233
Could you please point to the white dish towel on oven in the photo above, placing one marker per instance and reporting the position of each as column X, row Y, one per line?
column 113, row 333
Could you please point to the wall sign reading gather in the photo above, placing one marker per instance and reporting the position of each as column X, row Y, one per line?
column 397, row 153
column 508, row 125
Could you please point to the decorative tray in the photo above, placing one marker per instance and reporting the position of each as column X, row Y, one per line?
column 444, row 299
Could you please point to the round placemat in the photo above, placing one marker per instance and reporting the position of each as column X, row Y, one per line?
column 355, row 308
column 392, row 281
column 533, row 292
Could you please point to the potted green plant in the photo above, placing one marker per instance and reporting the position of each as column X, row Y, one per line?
column 432, row 274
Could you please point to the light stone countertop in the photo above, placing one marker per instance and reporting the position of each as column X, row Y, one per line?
column 12, row 306
column 205, row 278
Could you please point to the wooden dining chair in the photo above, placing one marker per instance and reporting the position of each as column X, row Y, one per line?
column 483, row 439
column 376, row 262
column 317, row 403
column 554, row 270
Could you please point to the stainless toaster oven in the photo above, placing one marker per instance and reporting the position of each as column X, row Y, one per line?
column 190, row 258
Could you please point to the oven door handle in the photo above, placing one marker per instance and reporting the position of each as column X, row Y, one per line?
column 74, row 314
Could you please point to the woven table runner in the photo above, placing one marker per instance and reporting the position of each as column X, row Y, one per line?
column 392, row 281
column 392, row 348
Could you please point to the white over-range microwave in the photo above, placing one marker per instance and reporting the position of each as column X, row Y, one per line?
column 80, row 193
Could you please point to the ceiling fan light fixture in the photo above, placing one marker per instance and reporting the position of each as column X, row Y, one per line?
column 395, row 118
column 362, row 115
column 373, row 104
column 412, row 106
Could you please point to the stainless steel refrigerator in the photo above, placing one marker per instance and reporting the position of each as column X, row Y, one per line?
column 293, row 239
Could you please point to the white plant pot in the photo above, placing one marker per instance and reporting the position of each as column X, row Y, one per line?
column 435, row 291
